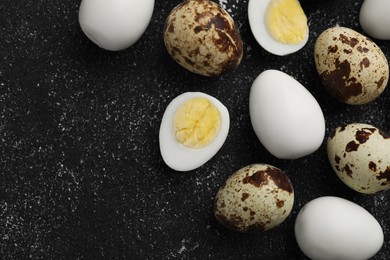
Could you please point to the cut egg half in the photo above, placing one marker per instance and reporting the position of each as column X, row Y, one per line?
column 279, row 26
column 193, row 129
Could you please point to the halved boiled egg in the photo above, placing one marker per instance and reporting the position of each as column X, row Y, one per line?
column 193, row 129
column 279, row 26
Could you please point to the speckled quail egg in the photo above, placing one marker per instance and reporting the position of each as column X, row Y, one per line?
column 360, row 156
column 203, row 38
column 351, row 66
column 115, row 24
column 374, row 18
column 193, row 129
column 257, row 197
column 279, row 26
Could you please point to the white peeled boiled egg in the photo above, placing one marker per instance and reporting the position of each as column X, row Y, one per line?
column 335, row 228
column 279, row 26
column 374, row 18
column 193, row 129
column 115, row 24
column 286, row 118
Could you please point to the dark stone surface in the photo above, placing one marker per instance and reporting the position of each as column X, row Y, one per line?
column 81, row 176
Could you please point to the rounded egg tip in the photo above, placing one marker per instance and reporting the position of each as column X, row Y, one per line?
column 117, row 24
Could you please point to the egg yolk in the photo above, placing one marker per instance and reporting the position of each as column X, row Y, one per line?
column 197, row 122
column 286, row 21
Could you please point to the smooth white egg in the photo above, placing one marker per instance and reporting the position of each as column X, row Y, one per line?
column 115, row 24
column 335, row 228
column 286, row 118
column 375, row 19
column 180, row 157
column 257, row 11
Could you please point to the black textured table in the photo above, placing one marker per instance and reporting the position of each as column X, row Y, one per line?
column 81, row 176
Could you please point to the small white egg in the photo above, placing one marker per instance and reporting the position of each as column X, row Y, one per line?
column 286, row 118
column 335, row 228
column 279, row 26
column 188, row 138
column 375, row 19
column 115, row 24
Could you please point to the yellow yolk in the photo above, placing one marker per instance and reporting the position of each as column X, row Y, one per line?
column 286, row 21
column 196, row 122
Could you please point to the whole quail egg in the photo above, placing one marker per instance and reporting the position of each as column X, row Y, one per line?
column 335, row 228
column 286, row 118
column 203, row 38
column 193, row 129
column 115, row 24
column 374, row 18
column 351, row 66
column 360, row 156
column 279, row 26
column 257, row 197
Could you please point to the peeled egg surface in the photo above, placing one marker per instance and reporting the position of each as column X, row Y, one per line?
column 335, row 228
column 203, row 38
column 279, row 26
column 360, row 156
column 255, row 198
column 351, row 66
column 193, row 129
column 374, row 18
column 286, row 118
column 115, row 24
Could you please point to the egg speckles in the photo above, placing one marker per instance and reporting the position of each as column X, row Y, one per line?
column 257, row 197
column 360, row 156
column 203, row 38
column 351, row 67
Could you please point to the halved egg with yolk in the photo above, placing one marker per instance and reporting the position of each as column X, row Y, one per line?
column 193, row 129
column 279, row 26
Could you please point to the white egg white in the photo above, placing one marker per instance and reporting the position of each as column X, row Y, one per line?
column 115, row 24
column 256, row 14
column 335, row 228
column 374, row 18
column 286, row 118
column 176, row 155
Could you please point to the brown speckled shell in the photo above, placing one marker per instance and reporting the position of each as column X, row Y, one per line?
column 203, row 38
column 360, row 156
column 257, row 197
column 351, row 66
